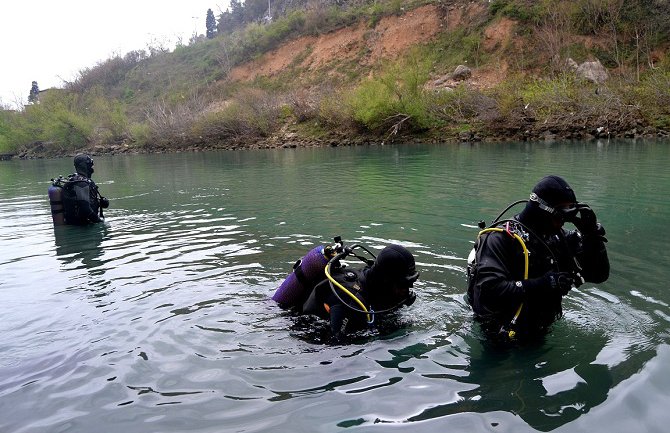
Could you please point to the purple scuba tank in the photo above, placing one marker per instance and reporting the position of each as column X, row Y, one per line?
column 56, row 202
column 307, row 272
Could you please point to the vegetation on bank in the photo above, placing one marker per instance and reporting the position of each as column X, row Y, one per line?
column 182, row 99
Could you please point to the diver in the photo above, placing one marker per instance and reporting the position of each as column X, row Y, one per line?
column 350, row 298
column 76, row 200
column 521, row 268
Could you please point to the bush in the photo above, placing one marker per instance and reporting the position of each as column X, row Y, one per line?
column 395, row 98
column 140, row 134
column 59, row 118
column 251, row 114
column 653, row 93
column 518, row 10
column 567, row 102
column 6, row 134
column 462, row 105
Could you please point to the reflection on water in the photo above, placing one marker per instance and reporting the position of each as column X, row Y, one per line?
column 80, row 244
column 160, row 320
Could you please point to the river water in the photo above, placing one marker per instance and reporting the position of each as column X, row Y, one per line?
column 160, row 320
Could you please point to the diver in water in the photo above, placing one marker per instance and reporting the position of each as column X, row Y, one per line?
column 350, row 298
column 520, row 269
column 82, row 201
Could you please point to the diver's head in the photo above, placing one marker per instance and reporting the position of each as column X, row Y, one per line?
column 83, row 164
column 392, row 276
column 552, row 203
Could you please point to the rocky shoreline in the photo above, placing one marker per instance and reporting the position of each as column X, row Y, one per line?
column 527, row 131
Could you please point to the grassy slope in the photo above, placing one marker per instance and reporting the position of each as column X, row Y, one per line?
column 183, row 99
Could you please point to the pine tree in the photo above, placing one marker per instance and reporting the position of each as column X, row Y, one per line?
column 237, row 12
column 210, row 23
column 34, row 96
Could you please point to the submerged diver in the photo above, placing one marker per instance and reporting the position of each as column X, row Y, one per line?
column 349, row 298
column 520, row 268
column 76, row 199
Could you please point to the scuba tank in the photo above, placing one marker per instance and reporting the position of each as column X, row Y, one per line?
column 307, row 272
column 56, row 201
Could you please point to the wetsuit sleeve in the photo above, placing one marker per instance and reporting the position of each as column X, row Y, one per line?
column 592, row 256
column 338, row 321
column 496, row 277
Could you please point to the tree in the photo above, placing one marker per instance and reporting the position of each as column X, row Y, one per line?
column 237, row 12
column 34, row 96
column 210, row 23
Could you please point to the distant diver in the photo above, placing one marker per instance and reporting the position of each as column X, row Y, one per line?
column 349, row 298
column 76, row 200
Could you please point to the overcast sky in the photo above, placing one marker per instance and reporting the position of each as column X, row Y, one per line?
column 49, row 41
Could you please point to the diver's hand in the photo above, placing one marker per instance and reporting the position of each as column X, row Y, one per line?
column 562, row 282
column 553, row 282
column 104, row 203
column 587, row 222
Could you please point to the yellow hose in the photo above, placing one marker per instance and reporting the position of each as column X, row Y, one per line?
column 345, row 290
column 511, row 332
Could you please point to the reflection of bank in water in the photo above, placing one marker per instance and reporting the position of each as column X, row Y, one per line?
column 80, row 243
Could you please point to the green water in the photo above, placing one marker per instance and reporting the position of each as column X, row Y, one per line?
column 161, row 319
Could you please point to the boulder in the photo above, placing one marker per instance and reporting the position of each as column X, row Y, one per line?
column 571, row 64
column 461, row 73
column 592, row 71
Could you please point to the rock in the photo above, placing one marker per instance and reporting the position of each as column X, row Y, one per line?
column 461, row 73
column 465, row 136
column 592, row 71
column 571, row 64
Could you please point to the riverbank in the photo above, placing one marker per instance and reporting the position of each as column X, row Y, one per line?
column 373, row 73
column 526, row 131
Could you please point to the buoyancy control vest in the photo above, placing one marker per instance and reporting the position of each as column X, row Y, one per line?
column 80, row 199
column 322, row 297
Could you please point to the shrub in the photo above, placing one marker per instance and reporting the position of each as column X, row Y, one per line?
column 462, row 105
column 653, row 93
column 140, row 134
column 170, row 121
column 250, row 114
column 395, row 98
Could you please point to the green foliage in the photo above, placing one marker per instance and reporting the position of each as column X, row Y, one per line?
column 457, row 47
column 395, row 94
column 460, row 105
column 140, row 134
column 34, row 95
column 335, row 111
column 210, row 24
column 550, row 97
column 6, row 133
column 519, row 10
column 108, row 73
column 58, row 118
column 375, row 14
column 653, row 93
column 252, row 113
column 148, row 99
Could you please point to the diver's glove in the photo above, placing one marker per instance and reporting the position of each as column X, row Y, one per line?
column 562, row 282
column 555, row 282
column 104, row 203
column 586, row 223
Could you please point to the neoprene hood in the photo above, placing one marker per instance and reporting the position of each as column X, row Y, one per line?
column 83, row 164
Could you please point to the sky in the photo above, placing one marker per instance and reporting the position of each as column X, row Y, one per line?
column 50, row 41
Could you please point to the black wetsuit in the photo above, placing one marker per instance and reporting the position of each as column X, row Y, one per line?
column 340, row 311
column 81, row 200
column 495, row 287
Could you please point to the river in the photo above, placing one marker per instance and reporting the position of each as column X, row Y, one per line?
column 161, row 320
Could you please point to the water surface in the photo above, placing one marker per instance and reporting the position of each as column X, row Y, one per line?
column 160, row 320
